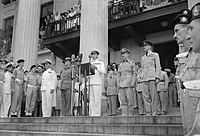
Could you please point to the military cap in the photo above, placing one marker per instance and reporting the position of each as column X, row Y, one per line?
column 47, row 61
column 195, row 11
column 40, row 65
column 147, row 43
column 9, row 65
column 125, row 50
column 180, row 19
column 95, row 51
column 186, row 12
column 167, row 70
column 66, row 59
column 20, row 60
column 33, row 66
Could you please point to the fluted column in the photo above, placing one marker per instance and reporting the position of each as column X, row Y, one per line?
column 191, row 3
column 27, row 31
column 94, row 28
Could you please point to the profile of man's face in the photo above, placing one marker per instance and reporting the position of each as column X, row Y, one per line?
column 180, row 32
column 194, row 34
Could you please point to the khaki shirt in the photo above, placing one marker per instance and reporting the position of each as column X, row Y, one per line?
column 139, row 80
column 111, row 84
column 191, row 72
column 18, row 74
column 163, row 83
column 66, row 79
column 1, row 75
column 151, row 66
column 126, row 73
column 32, row 79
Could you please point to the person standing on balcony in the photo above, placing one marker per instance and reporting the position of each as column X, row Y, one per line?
column 17, row 97
column 96, row 84
column 151, row 69
column 180, row 26
column 126, row 83
column 49, row 85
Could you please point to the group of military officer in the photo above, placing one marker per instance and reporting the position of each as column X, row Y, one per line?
column 186, row 27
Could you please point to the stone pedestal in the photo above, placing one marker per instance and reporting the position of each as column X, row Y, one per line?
column 27, row 31
column 94, row 28
column 191, row 3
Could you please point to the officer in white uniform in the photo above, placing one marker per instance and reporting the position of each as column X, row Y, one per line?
column 96, row 84
column 49, row 85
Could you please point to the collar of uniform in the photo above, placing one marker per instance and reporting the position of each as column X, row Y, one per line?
column 148, row 53
column 126, row 60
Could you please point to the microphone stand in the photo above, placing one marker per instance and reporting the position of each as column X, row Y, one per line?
column 89, row 84
column 72, row 89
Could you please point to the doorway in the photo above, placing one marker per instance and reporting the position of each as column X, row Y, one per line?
column 167, row 52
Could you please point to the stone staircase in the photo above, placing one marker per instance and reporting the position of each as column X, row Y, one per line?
column 169, row 125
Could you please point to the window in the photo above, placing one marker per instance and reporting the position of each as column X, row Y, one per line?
column 5, row 2
column 46, row 9
column 7, row 34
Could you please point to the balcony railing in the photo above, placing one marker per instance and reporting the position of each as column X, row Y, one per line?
column 121, row 9
column 62, row 26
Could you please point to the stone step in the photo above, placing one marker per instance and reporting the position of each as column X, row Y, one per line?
column 124, row 129
column 167, row 119
column 31, row 133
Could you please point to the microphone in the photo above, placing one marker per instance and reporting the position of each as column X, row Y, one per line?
column 73, row 58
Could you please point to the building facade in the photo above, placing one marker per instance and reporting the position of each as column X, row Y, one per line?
column 129, row 23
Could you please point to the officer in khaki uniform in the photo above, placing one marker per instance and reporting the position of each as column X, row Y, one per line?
column 31, row 86
column 190, row 76
column 66, row 87
column 18, row 74
column 139, row 89
column 151, row 69
column 1, row 86
column 126, row 82
column 179, row 26
column 111, row 89
column 162, row 88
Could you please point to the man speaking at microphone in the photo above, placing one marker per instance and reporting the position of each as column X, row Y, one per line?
column 96, row 84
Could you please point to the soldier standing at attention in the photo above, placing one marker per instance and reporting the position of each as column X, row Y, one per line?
column 66, row 87
column 162, row 88
column 1, row 86
column 139, row 89
column 18, row 75
column 190, row 76
column 151, row 69
column 179, row 26
column 49, row 85
column 31, row 86
column 111, row 88
column 126, row 82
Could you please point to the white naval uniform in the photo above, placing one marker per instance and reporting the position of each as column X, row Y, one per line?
column 49, row 81
column 96, row 88
column 7, row 93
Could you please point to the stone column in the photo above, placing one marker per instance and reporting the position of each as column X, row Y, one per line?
column 191, row 3
column 27, row 31
column 94, row 33
column 94, row 28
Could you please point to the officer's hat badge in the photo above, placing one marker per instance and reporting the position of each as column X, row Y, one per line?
column 185, row 12
column 196, row 11
column 183, row 19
